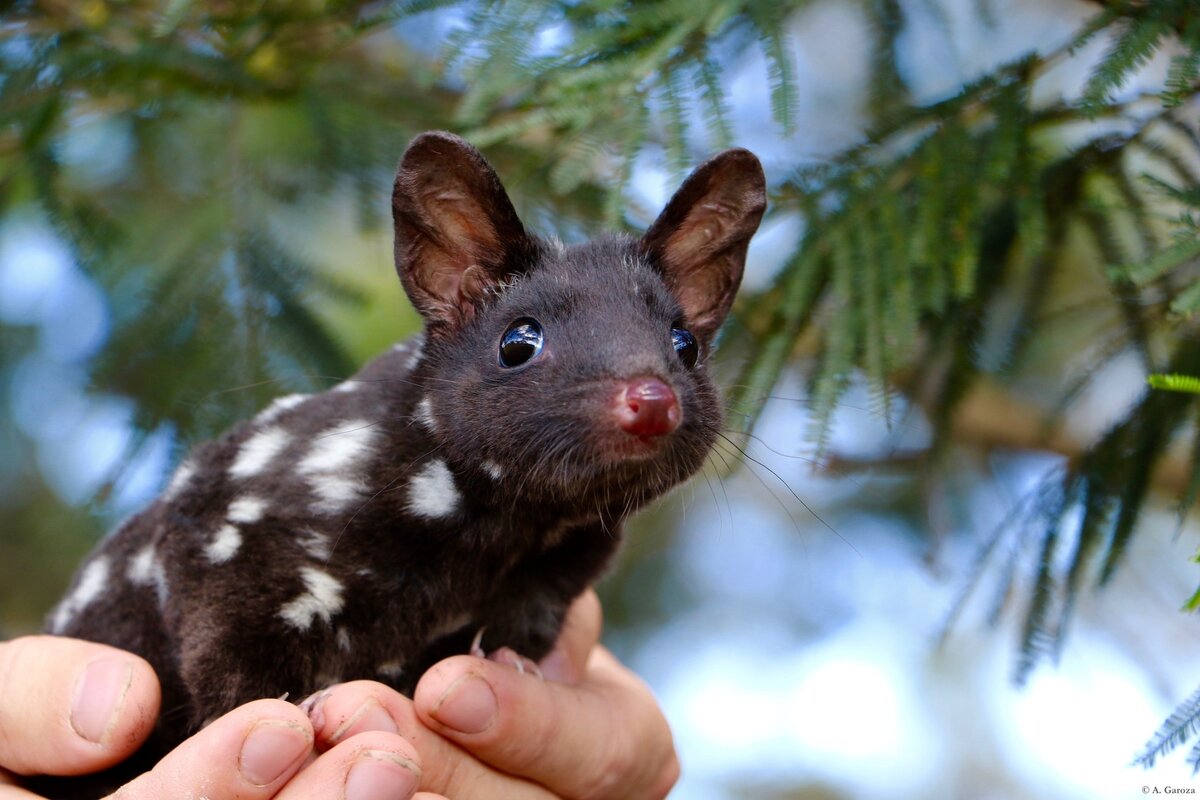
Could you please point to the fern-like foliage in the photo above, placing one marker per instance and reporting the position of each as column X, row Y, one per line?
column 1182, row 725
column 918, row 235
column 1138, row 30
column 932, row 265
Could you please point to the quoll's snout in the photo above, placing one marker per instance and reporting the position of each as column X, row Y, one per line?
column 647, row 407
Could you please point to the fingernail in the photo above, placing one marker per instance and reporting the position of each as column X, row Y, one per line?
column 468, row 706
column 99, row 695
column 370, row 716
column 379, row 775
column 270, row 749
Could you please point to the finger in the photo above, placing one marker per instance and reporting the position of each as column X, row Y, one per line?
column 69, row 707
column 9, row 792
column 353, row 708
column 604, row 738
column 369, row 766
column 247, row 754
column 580, row 633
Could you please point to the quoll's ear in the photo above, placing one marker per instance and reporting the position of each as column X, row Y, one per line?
column 457, row 233
column 699, row 241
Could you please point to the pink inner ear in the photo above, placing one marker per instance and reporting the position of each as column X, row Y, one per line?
column 462, row 225
column 456, row 230
column 708, row 225
column 702, row 299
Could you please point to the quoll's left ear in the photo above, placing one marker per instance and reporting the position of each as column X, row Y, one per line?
column 699, row 241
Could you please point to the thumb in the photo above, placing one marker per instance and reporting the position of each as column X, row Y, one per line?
column 69, row 707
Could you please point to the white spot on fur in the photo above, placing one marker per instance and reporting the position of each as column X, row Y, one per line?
column 331, row 461
column 343, row 640
column 258, row 451
column 316, row 545
column 390, row 669
column 322, row 598
column 146, row 569
column 424, row 414
column 91, row 583
column 224, row 545
column 432, row 492
column 334, row 493
column 493, row 469
column 338, row 448
column 418, row 350
column 141, row 567
column 280, row 405
column 180, row 480
column 346, row 386
column 247, row 509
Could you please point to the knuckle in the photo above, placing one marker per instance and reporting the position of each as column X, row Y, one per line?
column 535, row 743
column 12, row 688
column 451, row 777
column 641, row 763
column 613, row 769
column 668, row 776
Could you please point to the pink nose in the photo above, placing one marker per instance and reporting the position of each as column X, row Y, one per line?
column 647, row 407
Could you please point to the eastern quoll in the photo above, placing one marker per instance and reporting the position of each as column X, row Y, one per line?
column 474, row 477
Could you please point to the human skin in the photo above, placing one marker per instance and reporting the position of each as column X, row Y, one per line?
column 585, row 727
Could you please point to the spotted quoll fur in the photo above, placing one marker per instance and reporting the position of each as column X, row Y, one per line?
column 370, row 530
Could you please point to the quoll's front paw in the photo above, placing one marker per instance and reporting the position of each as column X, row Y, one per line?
column 505, row 655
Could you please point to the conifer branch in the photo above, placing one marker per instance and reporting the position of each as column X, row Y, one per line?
column 1182, row 725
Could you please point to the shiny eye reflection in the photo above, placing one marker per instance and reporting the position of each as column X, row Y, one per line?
column 685, row 346
column 521, row 342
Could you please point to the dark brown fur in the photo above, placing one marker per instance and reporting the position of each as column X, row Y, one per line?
column 513, row 551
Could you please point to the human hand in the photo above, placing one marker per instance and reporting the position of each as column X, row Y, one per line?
column 590, row 730
column 69, row 707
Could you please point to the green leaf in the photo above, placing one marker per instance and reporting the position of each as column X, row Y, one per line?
column 1162, row 261
column 1175, row 383
column 1132, row 49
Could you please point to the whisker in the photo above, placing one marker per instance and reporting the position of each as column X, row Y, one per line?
column 817, row 464
column 374, row 424
column 792, row 491
column 728, row 505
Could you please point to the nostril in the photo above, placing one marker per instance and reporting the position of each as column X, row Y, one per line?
column 647, row 407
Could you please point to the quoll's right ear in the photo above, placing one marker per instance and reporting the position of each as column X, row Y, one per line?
column 457, row 234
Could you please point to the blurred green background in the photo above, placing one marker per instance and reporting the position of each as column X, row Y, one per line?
column 983, row 236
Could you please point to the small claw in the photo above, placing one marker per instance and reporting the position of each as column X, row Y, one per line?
column 523, row 665
column 313, row 707
column 477, row 644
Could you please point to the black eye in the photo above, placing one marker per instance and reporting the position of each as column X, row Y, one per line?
column 685, row 346
column 521, row 342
